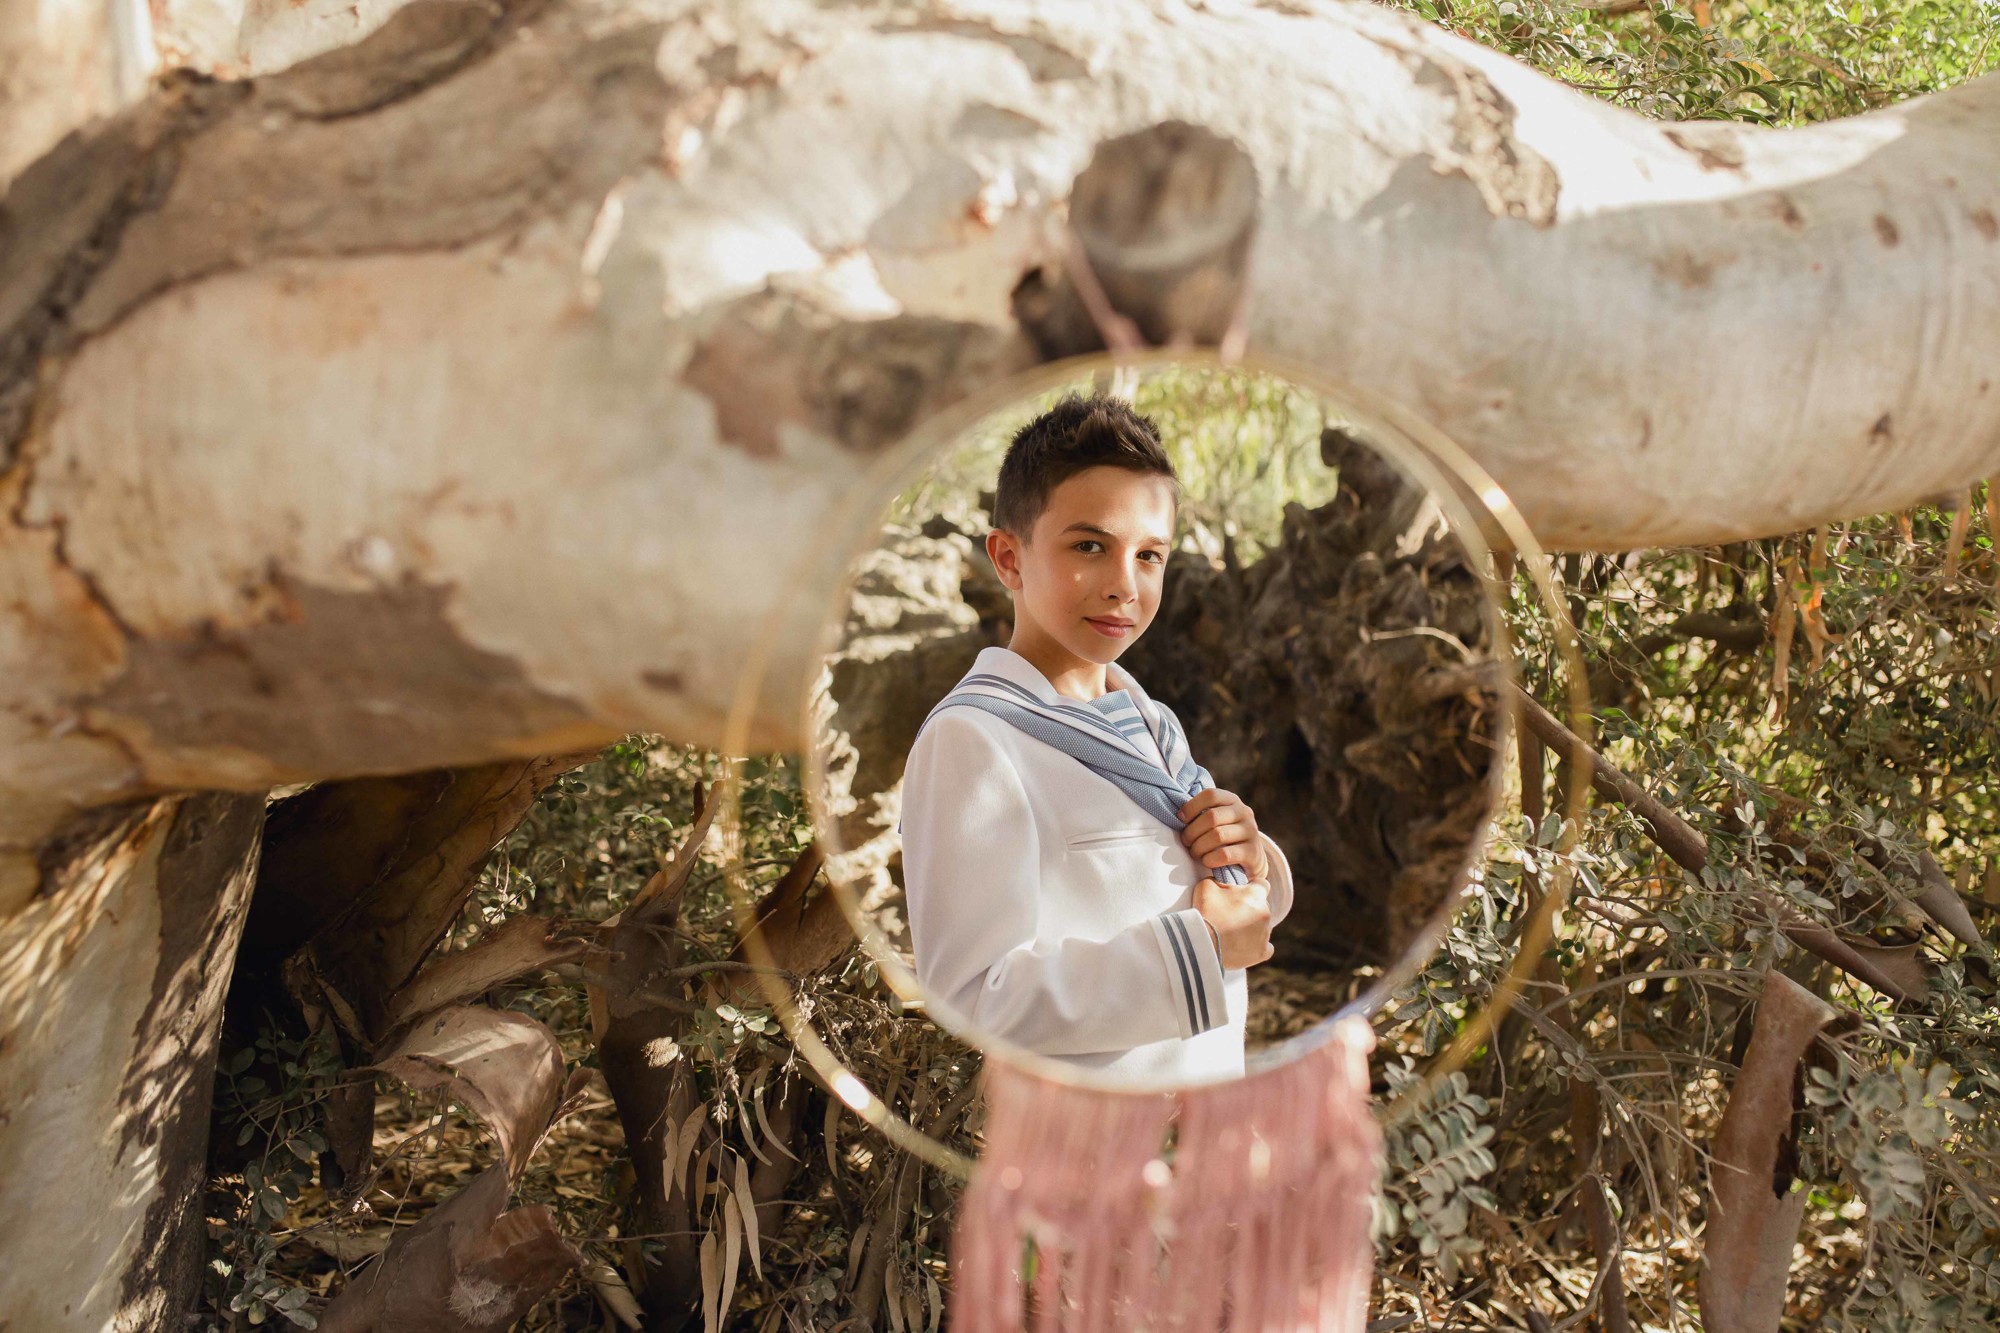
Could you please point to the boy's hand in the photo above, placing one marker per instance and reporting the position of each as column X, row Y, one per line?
column 1219, row 830
column 1241, row 915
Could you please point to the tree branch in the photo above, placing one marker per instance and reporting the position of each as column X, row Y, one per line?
column 1688, row 849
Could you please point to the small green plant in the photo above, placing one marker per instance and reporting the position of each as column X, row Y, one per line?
column 1432, row 1163
column 269, row 1093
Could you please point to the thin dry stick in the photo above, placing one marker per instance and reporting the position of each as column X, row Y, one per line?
column 1782, row 619
column 1533, row 810
column 1961, row 517
column 1993, row 522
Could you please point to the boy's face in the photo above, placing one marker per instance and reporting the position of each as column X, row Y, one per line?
column 1087, row 582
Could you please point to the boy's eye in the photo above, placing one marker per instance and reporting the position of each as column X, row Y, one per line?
column 1159, row 557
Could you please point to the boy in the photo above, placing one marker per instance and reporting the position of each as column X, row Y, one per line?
column 1075, row 886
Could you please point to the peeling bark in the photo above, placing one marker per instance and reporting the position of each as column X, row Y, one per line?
column 469, row 1267
column 1164, row 220
column 516, row 947
column 302, row 691
column 505, row 1067
column 804, row 932
column 340, row 434
column 64, row 63
column 770, row 364
column 1754, row 1213
column 359, row 882
column 637, row 1019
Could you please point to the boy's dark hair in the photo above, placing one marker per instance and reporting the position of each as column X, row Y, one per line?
column 1075, row 434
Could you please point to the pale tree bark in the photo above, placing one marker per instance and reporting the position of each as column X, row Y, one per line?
column 473, row 392
column 63, row 63
column 111, row 985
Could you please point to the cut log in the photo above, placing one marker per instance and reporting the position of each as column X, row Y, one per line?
column 111, row 988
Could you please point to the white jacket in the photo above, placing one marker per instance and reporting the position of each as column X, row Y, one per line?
column 1049, row 911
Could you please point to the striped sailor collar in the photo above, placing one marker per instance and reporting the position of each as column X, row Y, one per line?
column 1010, row 665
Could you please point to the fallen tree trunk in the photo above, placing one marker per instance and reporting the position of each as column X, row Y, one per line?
column 63, row 65
column 479, row 388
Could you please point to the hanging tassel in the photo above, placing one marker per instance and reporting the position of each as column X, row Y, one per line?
column 1062, row 1163
column 1240, row 1206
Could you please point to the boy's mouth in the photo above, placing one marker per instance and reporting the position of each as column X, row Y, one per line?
column 1111, row 627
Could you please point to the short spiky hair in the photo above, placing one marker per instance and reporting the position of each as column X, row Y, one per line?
column 1075, row 434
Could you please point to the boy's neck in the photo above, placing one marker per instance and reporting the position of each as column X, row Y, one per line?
column 1072, row 677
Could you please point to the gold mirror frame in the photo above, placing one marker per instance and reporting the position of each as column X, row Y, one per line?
column 1477, row 512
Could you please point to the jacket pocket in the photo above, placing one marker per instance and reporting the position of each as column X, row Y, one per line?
column 1083, row 842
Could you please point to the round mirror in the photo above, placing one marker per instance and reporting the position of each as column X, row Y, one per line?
column 1160, row 722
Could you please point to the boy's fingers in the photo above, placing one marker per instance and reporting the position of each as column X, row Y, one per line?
column 1230, row 836
column 1219, row 817
column 1227, row 856
column 1205, row 798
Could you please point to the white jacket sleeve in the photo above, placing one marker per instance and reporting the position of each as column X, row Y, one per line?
column 1280, row 880
column 971, row 875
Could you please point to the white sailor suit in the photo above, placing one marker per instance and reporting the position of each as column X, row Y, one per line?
column 1049, row 910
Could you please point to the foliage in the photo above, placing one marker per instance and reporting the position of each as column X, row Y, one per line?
column 1763, row 61
column 1242, row 445
column 1645, row 1001
column 267, row 1093
column 1882, row 722
column 587, row 848
column 1431, row 1168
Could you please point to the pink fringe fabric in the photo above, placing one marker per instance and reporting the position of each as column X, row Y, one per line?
column 1241, row 1206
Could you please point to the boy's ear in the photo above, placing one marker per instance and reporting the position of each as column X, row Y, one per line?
column 1003, row 548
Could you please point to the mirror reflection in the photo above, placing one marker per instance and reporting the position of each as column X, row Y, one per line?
column 1158, row 727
